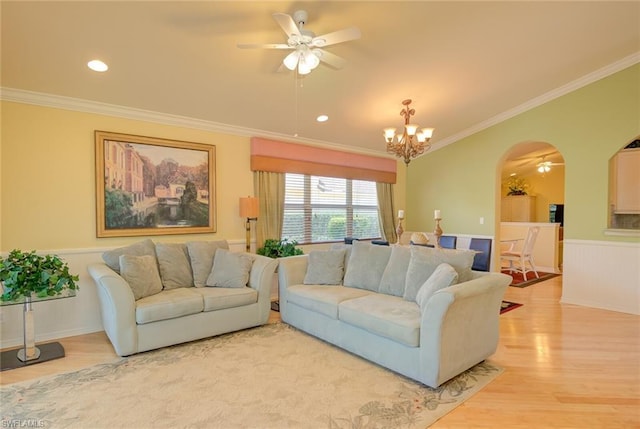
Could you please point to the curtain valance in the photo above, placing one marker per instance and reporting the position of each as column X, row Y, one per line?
column 283, row 157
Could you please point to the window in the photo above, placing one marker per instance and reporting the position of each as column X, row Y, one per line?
column 320, row 209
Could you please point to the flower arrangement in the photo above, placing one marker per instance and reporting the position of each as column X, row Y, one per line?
column 26, row 274
column 517, row 186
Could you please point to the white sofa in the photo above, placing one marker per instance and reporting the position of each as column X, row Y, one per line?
column 381, row 310
column 180, row 312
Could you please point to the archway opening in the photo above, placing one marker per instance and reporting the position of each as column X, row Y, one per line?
column 530, row 184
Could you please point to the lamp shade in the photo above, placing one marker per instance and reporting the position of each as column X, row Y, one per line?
column 249, row 207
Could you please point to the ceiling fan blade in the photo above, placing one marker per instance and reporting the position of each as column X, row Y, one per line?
column 339, row 36
column 332, row 59
column 288, row 25
column 264, row 46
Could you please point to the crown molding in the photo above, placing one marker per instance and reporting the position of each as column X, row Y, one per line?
column 99, row 108
column 542, row 99
column 88, row 106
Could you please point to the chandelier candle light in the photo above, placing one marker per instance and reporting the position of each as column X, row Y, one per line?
column 411, row 142
column 438, row 231
column 249, row 208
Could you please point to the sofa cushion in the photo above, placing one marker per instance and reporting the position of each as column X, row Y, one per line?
column 322, row 299
column 112, row 257
column 175, row 269
column 141, row 273
column 326, row 267
column 425, row 260
column 201, row 254
column 444, row 276
column 168, row 304
column 388, row 316
column 229, row 269
column 366, row 265
column 218, row 298
column 394, row 275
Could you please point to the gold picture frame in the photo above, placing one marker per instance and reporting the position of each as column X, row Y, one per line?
column 153, row 186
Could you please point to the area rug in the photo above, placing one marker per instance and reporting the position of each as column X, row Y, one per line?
column 508, row 306
column 268, row 377
column 519, row 280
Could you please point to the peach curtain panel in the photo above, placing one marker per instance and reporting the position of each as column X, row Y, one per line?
column 282, row 157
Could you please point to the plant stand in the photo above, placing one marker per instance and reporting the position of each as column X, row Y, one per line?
column 29, row 354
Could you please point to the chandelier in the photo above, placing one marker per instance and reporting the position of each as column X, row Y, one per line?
column 411, row 142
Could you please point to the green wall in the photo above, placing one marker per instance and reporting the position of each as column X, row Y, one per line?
column 587, row 126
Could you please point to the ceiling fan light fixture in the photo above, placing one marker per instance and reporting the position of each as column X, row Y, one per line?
column 303, row 67
column 311, row 59
column 291, row 60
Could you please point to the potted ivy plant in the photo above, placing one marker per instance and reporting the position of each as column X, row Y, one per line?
column 273, row 248
column 29, row 275
column 279, row 248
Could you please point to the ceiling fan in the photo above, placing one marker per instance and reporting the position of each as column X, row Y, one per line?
column 307, row 47
column 545, row 166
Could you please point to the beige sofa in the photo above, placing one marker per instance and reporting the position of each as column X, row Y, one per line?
column 418, row 311
column 154, row 295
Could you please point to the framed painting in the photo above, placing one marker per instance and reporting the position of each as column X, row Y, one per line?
column 153, row 186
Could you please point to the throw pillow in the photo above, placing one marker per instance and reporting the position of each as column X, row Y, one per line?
column 366, row 265
column 141, row 273
column 229, row 269
column 325, row 267
column 444, row 276
column 112, row 257
column 394, row 275
column 201, row 254
column 425, row 260
column 175, row 270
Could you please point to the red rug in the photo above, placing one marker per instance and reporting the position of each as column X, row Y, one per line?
column 508, row 306
column 519, row 280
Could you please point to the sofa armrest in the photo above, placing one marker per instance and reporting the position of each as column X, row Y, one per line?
column 460, row 326
column 261, row 278
column 291, row 271
column 118, row 308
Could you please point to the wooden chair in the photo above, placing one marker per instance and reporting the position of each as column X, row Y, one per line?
column 521, row 258
column 482, row 259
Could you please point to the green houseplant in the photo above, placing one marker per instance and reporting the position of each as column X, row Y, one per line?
column 29, row 275
column 279, row 248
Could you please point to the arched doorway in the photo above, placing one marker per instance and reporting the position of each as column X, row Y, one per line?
column 530, row 192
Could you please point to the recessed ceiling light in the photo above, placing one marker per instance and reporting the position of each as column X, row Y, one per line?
column 97, row 65
column 322, row 118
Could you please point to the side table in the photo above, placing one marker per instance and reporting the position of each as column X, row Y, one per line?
column 29, row 354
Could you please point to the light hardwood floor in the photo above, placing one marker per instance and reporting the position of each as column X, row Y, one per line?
column 565, row 366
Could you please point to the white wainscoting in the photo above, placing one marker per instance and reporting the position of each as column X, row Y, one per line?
column 69, row 316
column 602, row 274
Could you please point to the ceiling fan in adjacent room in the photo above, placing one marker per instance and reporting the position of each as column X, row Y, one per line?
column 307, row 48
column 545, row 166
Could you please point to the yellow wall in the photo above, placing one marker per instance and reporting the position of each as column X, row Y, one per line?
column 47, row 177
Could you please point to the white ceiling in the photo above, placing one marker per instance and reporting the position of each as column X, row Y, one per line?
column 463, row 63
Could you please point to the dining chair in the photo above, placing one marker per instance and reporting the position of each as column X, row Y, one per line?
column 448, row 241
column 482, row 259
column 518, row 259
